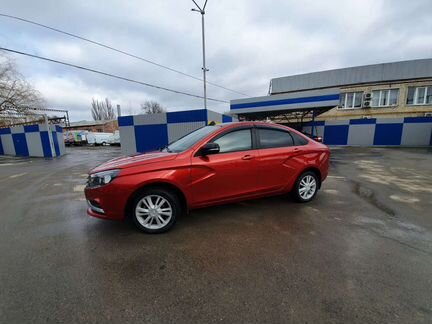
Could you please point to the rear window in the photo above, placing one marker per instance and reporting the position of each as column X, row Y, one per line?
column 299, row 140
column 269, row 138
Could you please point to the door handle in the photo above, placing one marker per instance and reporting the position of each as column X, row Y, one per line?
column 248, row 157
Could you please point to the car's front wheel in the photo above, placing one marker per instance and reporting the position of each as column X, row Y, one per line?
column 306, row 187
column 155, row 210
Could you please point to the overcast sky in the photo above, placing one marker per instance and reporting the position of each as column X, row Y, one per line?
column 248, row 43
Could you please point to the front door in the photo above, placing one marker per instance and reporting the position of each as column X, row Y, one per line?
column 229, row 174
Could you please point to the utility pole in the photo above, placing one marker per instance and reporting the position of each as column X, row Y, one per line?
column 204, row 68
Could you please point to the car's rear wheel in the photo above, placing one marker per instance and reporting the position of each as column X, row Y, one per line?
column 155, row 210
column 306, row 187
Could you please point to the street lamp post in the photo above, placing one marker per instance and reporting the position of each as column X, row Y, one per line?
column 204, row 68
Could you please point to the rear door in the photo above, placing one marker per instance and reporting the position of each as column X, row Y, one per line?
column 229, row 174
column 278, row 160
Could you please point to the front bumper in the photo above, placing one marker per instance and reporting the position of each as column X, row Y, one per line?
column 106, row 202
column 94, row 207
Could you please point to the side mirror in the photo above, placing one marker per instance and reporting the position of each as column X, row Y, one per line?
column 209, row 148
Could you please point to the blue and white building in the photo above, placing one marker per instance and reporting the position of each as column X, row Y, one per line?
column 38, row 140
column 143, row 133
column 387, row 104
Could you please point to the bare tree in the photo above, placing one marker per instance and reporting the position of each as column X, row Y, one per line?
column 16, row 94
column 152, row 107
column 102, row 110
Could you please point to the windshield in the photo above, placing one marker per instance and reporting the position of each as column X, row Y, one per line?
column 187, row 141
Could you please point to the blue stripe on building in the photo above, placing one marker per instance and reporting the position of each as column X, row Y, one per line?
column 336, row 134
column 125, row 121
column 1, row 147
column 363, row 121
column 418, row 120
column 187, row 116
column 46, row 147
column 31, row 128
column 56, row 143
column 20, row 144
column 5, row 131
column 226, row 119
column 388, row 134
column 289, row 101
column 150, row 137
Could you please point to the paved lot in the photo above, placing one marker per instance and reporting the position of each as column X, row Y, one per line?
column 360, row 253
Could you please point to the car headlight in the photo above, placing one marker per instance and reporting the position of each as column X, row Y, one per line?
column 101, row 178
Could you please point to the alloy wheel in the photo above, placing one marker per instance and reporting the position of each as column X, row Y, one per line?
column 307, row 187
column 153, row 212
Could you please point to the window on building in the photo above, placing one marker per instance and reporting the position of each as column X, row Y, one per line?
column 419, row 96
column 351, row 100
column 385, row 98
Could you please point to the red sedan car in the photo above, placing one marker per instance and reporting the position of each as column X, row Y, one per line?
column 212, row 165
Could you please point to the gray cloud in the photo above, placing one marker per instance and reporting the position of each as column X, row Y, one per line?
column 248, row 42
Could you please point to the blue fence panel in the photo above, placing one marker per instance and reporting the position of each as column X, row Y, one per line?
column 20, row 144
column 31, row 128
column 187, row 116
column 226, row 119
column 363, row 121
column 150, row 137
column 56, row 143
column 46, row 147
column 125, row 121
column 418, row 120
column 336, row 134
column 388, row 134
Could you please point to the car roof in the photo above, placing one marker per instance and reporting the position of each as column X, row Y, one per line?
column 250, row 123
column 247, row 123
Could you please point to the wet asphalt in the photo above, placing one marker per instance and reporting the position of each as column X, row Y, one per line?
column 361, row 252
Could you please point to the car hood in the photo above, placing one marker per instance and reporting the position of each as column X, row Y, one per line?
column 135, row 160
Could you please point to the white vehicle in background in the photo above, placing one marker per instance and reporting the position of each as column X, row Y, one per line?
column 114, row 139
column 75, row 137
column 98, row 138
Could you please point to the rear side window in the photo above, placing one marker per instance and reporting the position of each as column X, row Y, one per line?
column 239, row 140
column 299, row 140
column 269, row 138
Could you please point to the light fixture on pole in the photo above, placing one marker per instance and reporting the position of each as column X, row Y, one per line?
column 204, row 68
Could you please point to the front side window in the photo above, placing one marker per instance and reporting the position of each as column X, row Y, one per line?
column 351, row 100
column 239, row 140
column 187, row 141
column 419, row 95
column 385, row 98
column 269, row 138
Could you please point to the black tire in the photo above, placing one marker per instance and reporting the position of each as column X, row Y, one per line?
column 173, row 202
column 297, row 194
